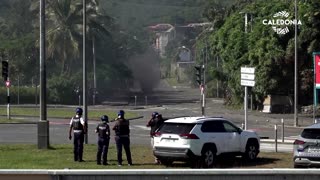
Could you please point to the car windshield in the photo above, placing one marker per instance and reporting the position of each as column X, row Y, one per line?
column 176, row 128
column 311, row 133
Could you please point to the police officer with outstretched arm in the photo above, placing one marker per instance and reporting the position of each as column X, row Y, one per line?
column 78, row 126
column 103, row 131
column 122, row 138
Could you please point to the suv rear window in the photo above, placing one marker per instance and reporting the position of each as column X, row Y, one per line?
column 311, row 133
column 176, row 128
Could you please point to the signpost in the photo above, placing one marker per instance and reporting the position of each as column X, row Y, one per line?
column 247, row 79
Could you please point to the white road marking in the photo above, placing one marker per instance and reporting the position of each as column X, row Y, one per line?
column 141, row 127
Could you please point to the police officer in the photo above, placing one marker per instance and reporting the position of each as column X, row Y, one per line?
column 103, row 131
column 154, row 123
column 122, row 138
column 78, row 126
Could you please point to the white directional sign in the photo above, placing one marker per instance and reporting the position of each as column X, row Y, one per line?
column 247, row 70
column 247, row 83
column 247, row 76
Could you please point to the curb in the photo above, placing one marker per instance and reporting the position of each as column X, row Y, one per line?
column 272, row 141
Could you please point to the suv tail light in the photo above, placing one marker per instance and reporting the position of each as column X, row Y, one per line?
column 189, row 136
column 298, row 142
column 156, row 134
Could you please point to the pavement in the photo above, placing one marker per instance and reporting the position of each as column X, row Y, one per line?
column 286, row 141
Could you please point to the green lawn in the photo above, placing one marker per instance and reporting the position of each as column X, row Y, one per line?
column 61, row 156
column 58, row 113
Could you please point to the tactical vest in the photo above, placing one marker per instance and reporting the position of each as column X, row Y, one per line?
column 157, row 122
column 77, row 124
column 123, row 128
column 102, row 130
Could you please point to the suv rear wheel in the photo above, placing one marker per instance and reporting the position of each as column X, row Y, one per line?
column 208, row 157
column 251, row 150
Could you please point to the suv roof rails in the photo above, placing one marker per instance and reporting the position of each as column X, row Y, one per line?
column 174, row 117
column 210, row 117
column 215, row 117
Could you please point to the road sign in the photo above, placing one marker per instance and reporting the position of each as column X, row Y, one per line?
column 8, row 83
column 247, row 70
column 247, row 76
column 247, row 83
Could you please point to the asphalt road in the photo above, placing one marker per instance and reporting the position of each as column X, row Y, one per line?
column 180, row 101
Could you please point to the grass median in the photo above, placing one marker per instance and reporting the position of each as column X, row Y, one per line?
column 93, row 114
column 61, row 157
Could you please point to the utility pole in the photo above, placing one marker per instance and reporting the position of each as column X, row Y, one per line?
column 94, row 71
column 296, row 124
column 217, row 59
column 85, row 105
column 43, row 124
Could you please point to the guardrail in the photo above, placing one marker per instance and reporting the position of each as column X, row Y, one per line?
column 163, row 174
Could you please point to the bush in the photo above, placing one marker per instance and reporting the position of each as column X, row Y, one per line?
column 22, row 94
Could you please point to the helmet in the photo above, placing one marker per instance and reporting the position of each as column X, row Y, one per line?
column 121, row 113
column 105, row 118
column 79, row 111
column 154, row 114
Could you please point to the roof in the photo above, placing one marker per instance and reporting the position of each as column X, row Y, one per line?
column 196, row 119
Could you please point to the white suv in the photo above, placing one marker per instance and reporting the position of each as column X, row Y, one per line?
column 200, row 139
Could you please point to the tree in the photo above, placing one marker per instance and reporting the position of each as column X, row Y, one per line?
column 17, row 36
column 64, row 28
column 271, row 54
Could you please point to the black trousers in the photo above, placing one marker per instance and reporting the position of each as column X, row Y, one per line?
column 103, row 146
column 125, row 142
column 78, row 145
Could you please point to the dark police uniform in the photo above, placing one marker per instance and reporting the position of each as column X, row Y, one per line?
column 78, row 125
column 122, row 138
column 155, row 122
column 103, row 131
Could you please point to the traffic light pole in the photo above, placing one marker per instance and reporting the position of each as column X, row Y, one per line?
column 8, row 100
column 5, row 75
column 200, row 72
column 203, row 91
column 203, row 100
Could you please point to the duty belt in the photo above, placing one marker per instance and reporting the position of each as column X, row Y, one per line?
column 122, row 135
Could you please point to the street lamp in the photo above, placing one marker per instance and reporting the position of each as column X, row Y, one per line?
column 43, row 124
column 85, row 105
column 295, row 68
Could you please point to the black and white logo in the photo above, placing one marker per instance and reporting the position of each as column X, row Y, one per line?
column 280, row 22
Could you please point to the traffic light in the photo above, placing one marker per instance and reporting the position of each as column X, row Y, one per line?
column 5, row 69
column 198, row 74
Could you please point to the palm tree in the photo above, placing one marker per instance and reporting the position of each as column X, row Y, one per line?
column 65, row 28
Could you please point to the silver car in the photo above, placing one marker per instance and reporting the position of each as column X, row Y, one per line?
column 306, row 148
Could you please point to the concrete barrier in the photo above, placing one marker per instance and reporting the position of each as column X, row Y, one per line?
column 163, row 174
